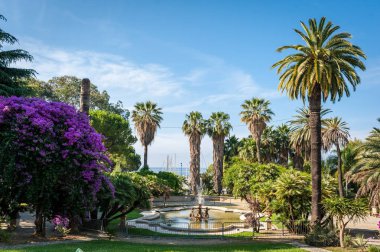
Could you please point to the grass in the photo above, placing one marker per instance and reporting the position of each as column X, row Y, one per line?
column 119, row 246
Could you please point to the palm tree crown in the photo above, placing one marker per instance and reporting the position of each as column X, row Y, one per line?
column 194, row 124
column 218, row 124
column 366, row 172
column 335, row 132
column 300, row 130
column 326, row 60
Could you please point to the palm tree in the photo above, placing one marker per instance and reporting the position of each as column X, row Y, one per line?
column 336, row 133
column 10, row 77
column 231, row 147
column 283, row 142
column 194, row 128
column 247, row 150
column 256, row 114
column 320, row 68
column 147, row 118
column 218, row 127
column 300, row 134
column 366, row 172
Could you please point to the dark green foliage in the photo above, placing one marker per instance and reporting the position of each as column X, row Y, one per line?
column 207, row 181
column 322, row 237
column 131, row 192
column 118, row 139
column 10, row 77
column 173, row 181
column 4, row 235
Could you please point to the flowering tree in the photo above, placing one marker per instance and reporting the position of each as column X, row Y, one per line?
column 50, row 158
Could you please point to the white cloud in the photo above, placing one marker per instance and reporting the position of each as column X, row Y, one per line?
column 105, row 70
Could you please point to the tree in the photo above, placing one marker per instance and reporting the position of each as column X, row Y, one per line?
column 323, row 67
column 256, row 114
column 253, row 182
column 10, row 77
column 67, row 89
column 147, row 118
column 194, row 127
column 218, row 127
column 345, row 210
column 231, row 147
column 275, row 144
column 300, row 135
column 50, row 158
column 118, row 139
column 336, row 133
column 366, row 171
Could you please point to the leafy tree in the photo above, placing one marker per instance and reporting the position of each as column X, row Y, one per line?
column 231, row 147
column 118, row 138
column 345, row 210
column 10, row 77
column 50, row 158
column 253, row 182
column 194, row 127
column 323, row 67
column 173, row 181
column 67, row 89
column 218, row 127
column 336, row 133
column 256, row 114
column 147, row 118
column 366, row 171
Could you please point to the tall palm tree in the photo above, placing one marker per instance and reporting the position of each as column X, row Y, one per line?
column 336, row 133
column 366, row 172
column 147, row 118
column 256, row 114
column 322, row 67
column 218, row 127
column 194, row 127
column 10, row 77
column 300, row 133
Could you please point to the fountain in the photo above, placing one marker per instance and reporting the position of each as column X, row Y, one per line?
column 198, row 214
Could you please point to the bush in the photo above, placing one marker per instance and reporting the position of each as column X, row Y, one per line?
column 373, row 248
column 4, row 236
column 322, row 237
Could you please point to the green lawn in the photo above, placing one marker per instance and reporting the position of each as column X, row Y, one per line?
column 116, row 246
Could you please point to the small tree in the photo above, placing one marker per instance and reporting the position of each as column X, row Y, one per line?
column 345, row 210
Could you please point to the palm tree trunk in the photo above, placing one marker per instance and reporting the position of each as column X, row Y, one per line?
column 195, row 147
column 315, row 155
column 145, row 155
column 218, row 144
column 258, row 143
column 85, row 96
column 340, row 175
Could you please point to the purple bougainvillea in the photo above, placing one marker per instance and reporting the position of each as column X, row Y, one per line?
column 53, row 150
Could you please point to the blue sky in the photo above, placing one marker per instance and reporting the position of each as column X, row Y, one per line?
column 190, row 55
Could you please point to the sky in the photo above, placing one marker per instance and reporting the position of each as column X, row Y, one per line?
column 188, row 56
